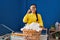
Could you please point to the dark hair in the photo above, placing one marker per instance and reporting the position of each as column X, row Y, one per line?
column 36, row 12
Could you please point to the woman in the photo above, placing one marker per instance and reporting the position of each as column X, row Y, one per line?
column 29, row 18
column 32, row 16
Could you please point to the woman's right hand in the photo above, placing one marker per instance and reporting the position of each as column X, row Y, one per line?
column 29, row 11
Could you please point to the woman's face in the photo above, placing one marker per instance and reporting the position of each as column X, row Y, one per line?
column 33, row 8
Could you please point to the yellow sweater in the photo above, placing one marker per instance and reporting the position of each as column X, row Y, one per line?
column 29, row 18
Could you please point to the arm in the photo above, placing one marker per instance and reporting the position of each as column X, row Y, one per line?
column 40, row 20
column 25, row 18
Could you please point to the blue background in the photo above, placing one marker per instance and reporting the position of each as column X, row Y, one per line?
column 13, row 11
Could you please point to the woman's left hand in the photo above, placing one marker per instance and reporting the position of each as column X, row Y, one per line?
column 44, row 29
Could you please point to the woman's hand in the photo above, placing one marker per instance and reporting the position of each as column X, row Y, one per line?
column 29, row 11
column 43, row 28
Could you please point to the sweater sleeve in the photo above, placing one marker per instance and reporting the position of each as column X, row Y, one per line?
column 25, row 19
column 40, row 21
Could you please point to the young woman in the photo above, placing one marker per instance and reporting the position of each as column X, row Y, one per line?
column 33, row 16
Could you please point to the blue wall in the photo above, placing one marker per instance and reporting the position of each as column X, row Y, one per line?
column 13, row 11
column 11, row 14
column 48, row 9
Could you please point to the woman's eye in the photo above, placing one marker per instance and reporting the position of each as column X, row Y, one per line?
column 33, row 7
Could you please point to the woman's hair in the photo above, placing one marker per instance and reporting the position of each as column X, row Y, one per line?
column 36, row 11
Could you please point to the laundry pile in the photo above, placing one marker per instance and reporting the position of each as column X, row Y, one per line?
column 32, row 26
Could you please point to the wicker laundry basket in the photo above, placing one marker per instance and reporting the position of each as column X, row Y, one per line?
column 17, row 36
column 31, row 34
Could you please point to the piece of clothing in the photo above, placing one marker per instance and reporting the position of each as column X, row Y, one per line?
column 32, row 26
column 31, row 17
